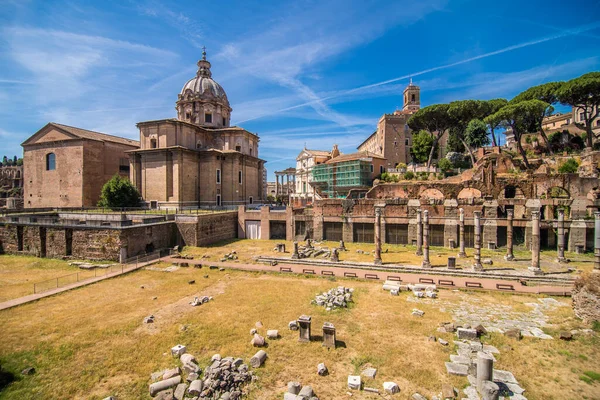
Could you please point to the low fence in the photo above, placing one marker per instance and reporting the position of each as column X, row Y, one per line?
column 85, row 275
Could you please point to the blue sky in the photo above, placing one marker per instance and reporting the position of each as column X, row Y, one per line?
column 296, row 73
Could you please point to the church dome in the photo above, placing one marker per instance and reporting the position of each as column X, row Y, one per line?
column 202, row 100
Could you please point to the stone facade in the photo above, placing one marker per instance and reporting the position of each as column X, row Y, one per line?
column 198, row 159
column 67, row 167
column 11, row 187
column 306, row 160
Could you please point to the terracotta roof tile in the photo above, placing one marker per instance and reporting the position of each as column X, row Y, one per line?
column 103, row 137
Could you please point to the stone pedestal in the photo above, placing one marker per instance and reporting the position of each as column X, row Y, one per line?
column 461, row 236
column 485, row 369
column 335, row 257
column 535, row 243
column 419, row 251
column 509, row 236
column 329, row 335
column 477, row 218
column 451, row 262
column 295, row 254
column 304, row 322
column 426, row 263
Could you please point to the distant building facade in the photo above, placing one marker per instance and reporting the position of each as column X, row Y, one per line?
column 305, row 162
column 64, row 166
column 198, row 159
column 11, row 187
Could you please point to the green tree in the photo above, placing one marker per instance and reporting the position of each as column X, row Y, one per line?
column 435, row 120
column 5, row 161
column 520, row 117
column 492, row 107
column 461, row 113
column 583, row 94
column 422, row 146
column 476, row 134
column 444, row 165
column 546, row 93
column 19, row 161
column 118, row 193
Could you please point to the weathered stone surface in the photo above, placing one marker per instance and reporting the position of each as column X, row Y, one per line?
column 196, row 387
column 187, row 357
column 417, row 313
column 371, row 390
column 460, row 359
column 258, row 359
column 418, row 396
column 293, row 387
column 489, row 391
column 354, row 382
column 391, row 387
column 293, row 325
column 28, row 371
column 457, row 369
column 469, row 334
column 169, row 373
column 565, row 335
column 306, row 392
column 257, row 340
column 369, row 373
column 178, row 350
column 272, row 334
column 443, row 342
column 164, row 385
column 179, row 393
column 165, row 395
column 448, row 392
column 322, row 369
column 513, row 333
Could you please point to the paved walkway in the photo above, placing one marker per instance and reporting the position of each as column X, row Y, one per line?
column 450, row 282
column 33, row 297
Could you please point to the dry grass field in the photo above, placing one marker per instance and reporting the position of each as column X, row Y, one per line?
column 398, row 254
column 90, row 343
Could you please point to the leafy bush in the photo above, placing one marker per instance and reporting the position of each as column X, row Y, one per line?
column 569, row 167
column 401, row 165
column 118, row 193
column 444, row 165
column 409, row 175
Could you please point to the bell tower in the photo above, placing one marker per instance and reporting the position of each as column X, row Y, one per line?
column 412, row 98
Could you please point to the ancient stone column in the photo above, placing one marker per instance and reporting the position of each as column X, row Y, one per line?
column 461, row 234
column 426, row 263
column 377, row 260
column 597, row 242
column 304, row 324
column 419, row 234
column 535, row 243
column 295, row 254
column 329, row 335
column 509, row 236
column 477, row 218
column 560, row 246
column 335, row 257
column 485, row 369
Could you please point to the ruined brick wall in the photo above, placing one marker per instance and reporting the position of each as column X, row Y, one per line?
column 8, row 239
column 202, row 230
column 56, row 243
column 96, row 244
column 144, row 239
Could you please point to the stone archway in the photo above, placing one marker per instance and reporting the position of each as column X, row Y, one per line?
column 431, row 193
column 469, row 193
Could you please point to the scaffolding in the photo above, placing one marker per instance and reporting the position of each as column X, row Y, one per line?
column 337, row 179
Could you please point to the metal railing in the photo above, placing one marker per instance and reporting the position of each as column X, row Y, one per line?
column 85, row 275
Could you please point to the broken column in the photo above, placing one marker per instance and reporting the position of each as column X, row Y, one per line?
column 535, row 243
column 461, row 233
column 258, row 359
column 377, row 260
column 304, row 323
column 426, row 263
column 295, row 254
column 560, row 247
column 485, row 368
column 342, row 246
column 328, row 335
column 509, row 236
column 419, row 251
column 335, row 257
column 477, row 221
column 597, row 242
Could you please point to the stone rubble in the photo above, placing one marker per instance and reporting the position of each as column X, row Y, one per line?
column 295, row 391
column 391, row 387
column 417, row 312
column 322, row 369
column 198, row 301
column 498, row 318
column 225, row 378
column 230, row 256
column 149, row 319
column 334, row 298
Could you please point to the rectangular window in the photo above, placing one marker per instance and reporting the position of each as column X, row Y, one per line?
column 218, row 176
column 152, row 143
column 381, row 169
column 208, row 118
column 238, row 148
column 372, row 169
column 240, row 177
column 224, row 121
column 406, row 142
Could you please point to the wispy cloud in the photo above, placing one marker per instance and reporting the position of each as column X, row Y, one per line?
column 562, row 34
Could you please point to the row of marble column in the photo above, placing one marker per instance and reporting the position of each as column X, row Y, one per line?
column 286, row 186
column 423, row 238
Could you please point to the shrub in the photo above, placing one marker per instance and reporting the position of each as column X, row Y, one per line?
column 444, row 165
column 401, row 165
column 118, row 193
column 409, row 175
column 569, row 167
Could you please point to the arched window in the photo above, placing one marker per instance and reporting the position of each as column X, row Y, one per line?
column 50, row 162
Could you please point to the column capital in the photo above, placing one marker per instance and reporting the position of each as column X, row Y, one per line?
column 597, row 214
column 561, row 212
column 510, row 214
column 535, row 215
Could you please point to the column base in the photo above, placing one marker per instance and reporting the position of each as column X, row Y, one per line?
column 419, row 252
column 295, row 256
column 377, row 261
column 563, row 260
column 426, row 264
column 462, row 255
column 536, row 271
column 509, row 257
column 477, row 267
